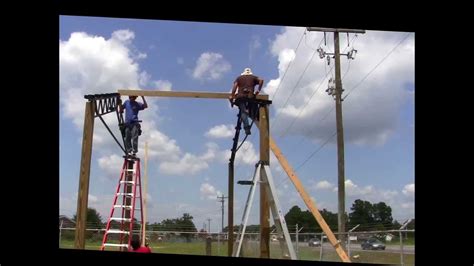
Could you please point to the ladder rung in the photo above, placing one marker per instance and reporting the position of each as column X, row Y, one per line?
column 123, row 206
column 127, row 182
column 117, row 232
column 130, row 170
column 115, row 245
column 120, row 219
column 125, row 194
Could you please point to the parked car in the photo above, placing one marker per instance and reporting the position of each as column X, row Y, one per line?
column 314, row 242
column 373, row 244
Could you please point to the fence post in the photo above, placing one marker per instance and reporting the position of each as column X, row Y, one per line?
column 297, row 249
column 208, row 246
column 60, row 229
column 349, row 244
column 401, row 248
column 321, row 248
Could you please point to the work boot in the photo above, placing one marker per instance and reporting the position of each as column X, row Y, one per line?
column 247, row 130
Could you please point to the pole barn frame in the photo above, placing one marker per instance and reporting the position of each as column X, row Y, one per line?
column 266, row 143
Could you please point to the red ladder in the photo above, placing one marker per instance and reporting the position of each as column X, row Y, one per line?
column 123, row 226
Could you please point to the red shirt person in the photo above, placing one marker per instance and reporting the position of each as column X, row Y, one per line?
column 135, row 243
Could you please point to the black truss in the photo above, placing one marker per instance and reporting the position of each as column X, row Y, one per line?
column 104, row 103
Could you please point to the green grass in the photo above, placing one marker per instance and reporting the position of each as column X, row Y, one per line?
column 251, row 250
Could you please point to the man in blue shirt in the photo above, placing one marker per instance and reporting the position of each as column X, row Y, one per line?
column 132, row 124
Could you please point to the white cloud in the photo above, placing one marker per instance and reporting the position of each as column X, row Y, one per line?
column 111, row 165
column 144, row 78
column 209, row 191
column 371, row 112
column 246, row 154
column 354, row 190
column 211, row 152
column 221, row 131
column 323, row 185
column 189, row 164
column 141, row 56
column 93, row 65
column 96, row 65
column 409, row 190
column 210, row 66
column 163, row 85
column 123, row 35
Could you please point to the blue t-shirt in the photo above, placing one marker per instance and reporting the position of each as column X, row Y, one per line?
column 131, row 111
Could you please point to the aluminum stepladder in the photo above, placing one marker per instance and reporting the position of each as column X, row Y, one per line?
column 265, row 179
column 122, row 223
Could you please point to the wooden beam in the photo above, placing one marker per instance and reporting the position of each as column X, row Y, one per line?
column 307, row 200
column 264, row 202
column 230, row 211
column 183, row 94
column 84, row 174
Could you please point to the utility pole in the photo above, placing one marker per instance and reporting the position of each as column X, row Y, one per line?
column 209, row 225
column 341, row 217
column 222, row 201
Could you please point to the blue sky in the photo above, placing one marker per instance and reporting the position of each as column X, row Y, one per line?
column 190, row 139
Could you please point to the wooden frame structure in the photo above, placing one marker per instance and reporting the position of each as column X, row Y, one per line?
column 266, row 143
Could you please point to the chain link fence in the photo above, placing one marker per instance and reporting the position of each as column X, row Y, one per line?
column 383, row 247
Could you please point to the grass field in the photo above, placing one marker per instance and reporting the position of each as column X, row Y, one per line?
column 305, row 253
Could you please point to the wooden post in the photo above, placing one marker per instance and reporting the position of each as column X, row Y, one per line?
column 83, row 193
column 208, row 246
column 230, row 211
column 264, row 204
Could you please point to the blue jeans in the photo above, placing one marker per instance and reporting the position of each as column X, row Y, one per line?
column 131, row 137
column 244, row 115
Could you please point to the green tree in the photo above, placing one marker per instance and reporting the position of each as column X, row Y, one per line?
column 362, row 213
column 93, row 221
column 93, row 218
column 330, row 218
column 370, row 216
column 383, row 214
column 294, row 216
column 306, row 219
column 183, row 224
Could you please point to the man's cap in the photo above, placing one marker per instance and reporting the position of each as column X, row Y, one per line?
column 247, row 71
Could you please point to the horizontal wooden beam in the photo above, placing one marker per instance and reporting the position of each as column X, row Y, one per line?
column 183, row 94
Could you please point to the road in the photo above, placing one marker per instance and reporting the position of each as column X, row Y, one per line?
column 408, row 249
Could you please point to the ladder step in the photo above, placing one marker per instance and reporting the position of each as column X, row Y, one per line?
column 130, row 170
column 115, row 245
column 123, row 206
column 120, row 219
column 125, row 194
column 245, row 182
column 127, row 182
column 118, row 232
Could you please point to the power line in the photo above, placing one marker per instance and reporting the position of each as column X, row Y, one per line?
column 322, row 80
column 284, row 74
column 375, row 67
column 294, row 88
column 301, row 110
column 309, row 157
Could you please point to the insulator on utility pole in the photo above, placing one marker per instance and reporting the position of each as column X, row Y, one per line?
column 321, row 52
